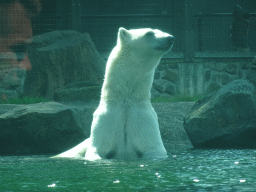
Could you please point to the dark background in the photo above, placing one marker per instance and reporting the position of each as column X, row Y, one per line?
column 102, row 18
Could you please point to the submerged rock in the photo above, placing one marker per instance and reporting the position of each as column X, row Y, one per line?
column 225, row 119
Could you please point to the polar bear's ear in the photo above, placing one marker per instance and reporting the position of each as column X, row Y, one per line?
column 123, row 35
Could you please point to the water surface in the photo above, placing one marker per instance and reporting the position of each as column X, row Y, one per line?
column 191, row 170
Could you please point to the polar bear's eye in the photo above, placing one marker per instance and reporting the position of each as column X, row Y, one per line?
column 150, row 34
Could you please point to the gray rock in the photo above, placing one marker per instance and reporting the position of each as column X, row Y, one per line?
column 54, row 127
column 222, row 78
column 4, row 108
column 171, row 76
column 212, row 87
column 173, row 66
column 154, row 93
column 157, row 75
column 245, row 65
column 170, row 89
column 59, row 58
column 80, row 91
column 231, row 68
column 170, row 119
column 225, row 119
column 44, row 127
column 215, row 66
column 252, row 72
column 159, row 85
column 8, row 94
column 208, row 75
column 11, row 82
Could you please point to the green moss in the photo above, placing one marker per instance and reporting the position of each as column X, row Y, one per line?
column 177, row 98
column 24, row 100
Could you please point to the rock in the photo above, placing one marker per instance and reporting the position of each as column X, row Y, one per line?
column 221, row 78
column 159, row 85
column 5, row 108
column 59, row 58
column 225, row 79
column 80, row 91
column 245, row 65
column 54, row 127
column 251, row 75
column 8, row 94
column 170, row 119
column 11, row 82
column 231, row 68
column 161, row 68
column 173, row 66
column 212, row 87
column 154, row 93
column 157, row 75
column 171, row 76
column 12, row 78
column 215, row 66
column 208, row 75
column 225, row 119
column 44, row 127
column 170, row 89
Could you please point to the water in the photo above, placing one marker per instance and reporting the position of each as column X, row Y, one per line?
column 191, row 170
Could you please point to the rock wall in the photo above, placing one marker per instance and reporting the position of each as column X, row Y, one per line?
column 175, row 77
column 11, row 82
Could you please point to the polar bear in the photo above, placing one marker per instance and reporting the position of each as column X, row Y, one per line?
column 125, row 125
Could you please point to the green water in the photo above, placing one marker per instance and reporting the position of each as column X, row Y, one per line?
column 192, row 170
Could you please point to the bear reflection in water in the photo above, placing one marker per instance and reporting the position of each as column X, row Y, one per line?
column 125, row 125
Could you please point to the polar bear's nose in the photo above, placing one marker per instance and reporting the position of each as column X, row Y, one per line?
column 165, row 43
column 171, row 39
column 169, row 42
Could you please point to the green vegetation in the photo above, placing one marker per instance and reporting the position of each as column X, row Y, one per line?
column 24, row 100
column 177, row 98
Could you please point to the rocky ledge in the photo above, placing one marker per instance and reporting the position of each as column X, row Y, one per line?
column 52, row 127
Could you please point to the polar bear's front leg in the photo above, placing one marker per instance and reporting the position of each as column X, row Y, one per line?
column 143, row 133
column 107, row 134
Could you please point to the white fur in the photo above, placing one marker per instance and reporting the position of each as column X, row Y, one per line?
column 125, row 124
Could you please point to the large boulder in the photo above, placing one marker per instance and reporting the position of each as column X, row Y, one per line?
column 44, row 127
column 54, row 127
column 59, row 58
column 225, row 119
column 79, row 91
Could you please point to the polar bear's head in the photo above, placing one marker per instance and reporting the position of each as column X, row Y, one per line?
column 145, row 41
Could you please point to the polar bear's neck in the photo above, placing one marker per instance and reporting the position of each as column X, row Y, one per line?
column 128, row 78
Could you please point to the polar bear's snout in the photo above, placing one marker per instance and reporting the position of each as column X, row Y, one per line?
column 171, row 39
column 166, row 43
